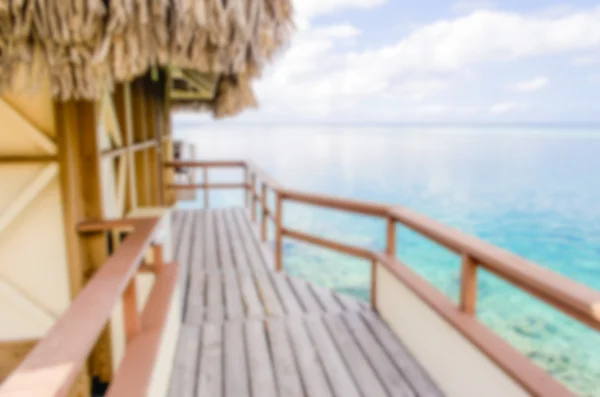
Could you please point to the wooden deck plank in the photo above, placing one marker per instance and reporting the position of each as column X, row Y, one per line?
column 266, row 289
column 223, row 242
column 246, row 240
column 357, row 363
column 251, row 239
column 288, row 297
column 262, row 380
column 252, row 303
column 211, row 258
column 268, row 296
column 194, row 312
column 337, row 373
column 420, row 381
column 234, row 306
column 236, row 370
column 326, row 298
column 176, row 227
column 214, row 298
column 391, row 377
column 263, row 247
column 305, row 295
column 309, row 364
column 210, row 370
column 183, row 374
column 350, row 303
column 182, row 251
column 286, row 372
column 239, row 253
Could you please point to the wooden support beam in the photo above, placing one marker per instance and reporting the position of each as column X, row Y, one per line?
column 141, row 171
column 81, row 195
column 136, row 147
column 27, row 159
column 28, row 194
column 71, row 190
column 41, row 139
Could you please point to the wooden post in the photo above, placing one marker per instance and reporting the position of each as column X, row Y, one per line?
column 206, row 192
column 81, row 189
column 140, row 158
column 263, row 221
column 468, row 285
column 131, row 315
column 157, row 253
column 247, row 189
column 278, row 235
column 374, row 284
column 391, row 237
column 253, row 195
column 391, row 251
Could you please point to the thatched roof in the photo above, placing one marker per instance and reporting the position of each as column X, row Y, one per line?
column 82, row 44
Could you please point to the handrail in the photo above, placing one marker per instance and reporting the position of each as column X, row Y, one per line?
column 205, row 164
column 55, row 362
column 342, row 204
column 573, row 298
column 330, row 244
column 570, row 297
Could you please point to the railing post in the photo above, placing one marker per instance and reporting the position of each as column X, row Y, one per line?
column 391, row 251
column 253, row 194
column 391, row 237
column 263, row 221
column 131, row 316
column 278, row 232
column 468, row 285
column 374, row 284
column 157, row 253
column 206, row 202
column 247, row 188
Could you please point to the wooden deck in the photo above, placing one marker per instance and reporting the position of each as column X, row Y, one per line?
column 250, row 331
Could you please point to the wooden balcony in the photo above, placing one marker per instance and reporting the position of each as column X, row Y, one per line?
column 243, row 327
column 249, row 330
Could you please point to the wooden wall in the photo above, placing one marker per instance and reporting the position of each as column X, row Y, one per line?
column 60, row 164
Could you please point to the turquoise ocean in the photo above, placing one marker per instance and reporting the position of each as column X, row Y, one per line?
column 534, row 190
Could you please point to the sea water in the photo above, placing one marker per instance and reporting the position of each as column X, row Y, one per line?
column 533, row 190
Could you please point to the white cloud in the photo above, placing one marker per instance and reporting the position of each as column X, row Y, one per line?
column 464, row 6
column 323, row 71
column 532, row 85
column 586, row 60
column 504, row 107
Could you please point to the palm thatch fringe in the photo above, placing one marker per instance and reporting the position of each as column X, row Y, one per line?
column 82, row 44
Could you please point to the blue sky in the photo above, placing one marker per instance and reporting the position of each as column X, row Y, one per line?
column 436, row 61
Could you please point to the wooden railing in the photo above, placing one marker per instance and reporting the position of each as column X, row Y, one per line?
column 53, row 365
column 570, row 297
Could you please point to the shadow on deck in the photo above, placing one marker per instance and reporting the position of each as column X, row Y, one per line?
column 250, row 331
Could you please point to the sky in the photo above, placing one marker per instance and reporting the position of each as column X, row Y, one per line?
column 435, row 61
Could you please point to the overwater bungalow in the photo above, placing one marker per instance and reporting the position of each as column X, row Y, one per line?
column 106, row 288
